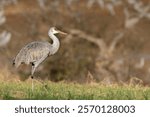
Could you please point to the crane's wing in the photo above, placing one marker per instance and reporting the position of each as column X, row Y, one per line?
column 33, row 52
column 37, row 50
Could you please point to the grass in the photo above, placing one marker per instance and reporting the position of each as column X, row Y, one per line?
column 70, row 91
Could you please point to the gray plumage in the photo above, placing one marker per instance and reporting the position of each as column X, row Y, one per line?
column 36, row 52
column 32, row 53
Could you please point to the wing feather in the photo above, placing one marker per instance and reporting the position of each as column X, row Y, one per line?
column 34, row 51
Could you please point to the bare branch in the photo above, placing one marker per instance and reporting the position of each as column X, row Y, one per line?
column 2, row 17
column 4, row 38
column 97, row 41
column 141, row 63
column 115, row 41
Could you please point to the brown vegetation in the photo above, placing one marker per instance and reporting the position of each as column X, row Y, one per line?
column 100, row 46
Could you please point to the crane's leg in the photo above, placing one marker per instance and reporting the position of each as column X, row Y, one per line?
column 32, row 85
column 32, row 73
column 34, row 66
column 33, row 70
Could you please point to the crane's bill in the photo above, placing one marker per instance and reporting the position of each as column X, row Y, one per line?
column 62, row 32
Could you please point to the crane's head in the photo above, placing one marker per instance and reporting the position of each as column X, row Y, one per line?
column 53, row 30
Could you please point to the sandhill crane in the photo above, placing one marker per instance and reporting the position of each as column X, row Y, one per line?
column 36, row 52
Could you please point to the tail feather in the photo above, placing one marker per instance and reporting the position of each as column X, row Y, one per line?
column 16, row 63
column 13, row 62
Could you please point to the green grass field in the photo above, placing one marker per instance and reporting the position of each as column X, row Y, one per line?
column 70, row 91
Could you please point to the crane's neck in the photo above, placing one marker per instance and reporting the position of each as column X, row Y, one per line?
column 55, row 44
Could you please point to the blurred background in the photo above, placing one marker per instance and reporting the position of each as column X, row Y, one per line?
column 108, row 41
